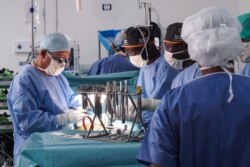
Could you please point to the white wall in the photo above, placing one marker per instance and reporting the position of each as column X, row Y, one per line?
column 244, row 7
column 83, row 26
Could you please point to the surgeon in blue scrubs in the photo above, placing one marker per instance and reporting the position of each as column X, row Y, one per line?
column 187, row 75
column 39, row 98
column 156, row 74
column 176, row 50
column 96, row 67
column 118, row 62
column 204, row 123
column 176, row 54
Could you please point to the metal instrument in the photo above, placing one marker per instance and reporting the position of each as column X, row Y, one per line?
column 116, row 108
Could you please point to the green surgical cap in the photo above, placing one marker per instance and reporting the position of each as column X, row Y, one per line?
column 244, row 19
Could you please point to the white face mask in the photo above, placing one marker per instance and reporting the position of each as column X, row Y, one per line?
column 175, row 63
column 55, row 68
column 137, row 60
column 245, row 55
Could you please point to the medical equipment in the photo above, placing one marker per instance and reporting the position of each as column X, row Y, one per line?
column 86, row 152
column 31, row 19
column 6, row 76
column 31, row 12
column 73, row 66
column 147, row 10
column 6, row 140
column 106, row 38
column 6, row 128
column 109, row 104
column 78, row 5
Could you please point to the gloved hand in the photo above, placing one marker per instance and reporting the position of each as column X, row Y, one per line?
column 149, row 104
column 70, row 117
column 146, row 104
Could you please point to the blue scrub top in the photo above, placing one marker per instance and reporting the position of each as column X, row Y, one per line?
column 196, row 126
column 246, row 70
column 155, row 79
column 186, row 76
column 117, row 63
column 96, row 67
column 34, row 100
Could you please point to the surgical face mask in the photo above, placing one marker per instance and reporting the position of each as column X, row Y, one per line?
column 175, row 63
column 245, row 55
column 55, row 68
column 137, row 60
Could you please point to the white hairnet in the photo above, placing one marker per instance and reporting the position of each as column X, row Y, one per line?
column 212, row 35
column 55, row 42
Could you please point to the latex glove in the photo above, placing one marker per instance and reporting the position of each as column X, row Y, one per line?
column 146, row 104
column 149, row 104
column 70, row 117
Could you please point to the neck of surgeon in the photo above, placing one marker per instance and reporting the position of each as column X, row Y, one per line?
column 210, row 70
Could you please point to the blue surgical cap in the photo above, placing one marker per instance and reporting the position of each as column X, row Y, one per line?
column 118, row 42
column 55, row 42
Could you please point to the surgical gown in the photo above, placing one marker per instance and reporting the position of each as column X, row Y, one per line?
column 186, row 76
column 195, row 125
column 155, row 79
column 117, row 63
column 34, row 100
column 96, row 67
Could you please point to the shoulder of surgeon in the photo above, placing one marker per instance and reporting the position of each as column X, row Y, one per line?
column 31, row 73
column 212, row 80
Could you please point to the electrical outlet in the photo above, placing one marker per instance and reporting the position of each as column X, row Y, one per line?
column 22, row 46
column 106, row 6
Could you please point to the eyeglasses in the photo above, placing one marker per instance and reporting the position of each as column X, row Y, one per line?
column 181, row 55
column 133, row 51
column 60, row 60
column 175, row 46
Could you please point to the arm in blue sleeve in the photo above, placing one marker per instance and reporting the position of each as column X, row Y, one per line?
column 163, row 79
column 160, row 144
column 75, row 100
column 25, row 106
